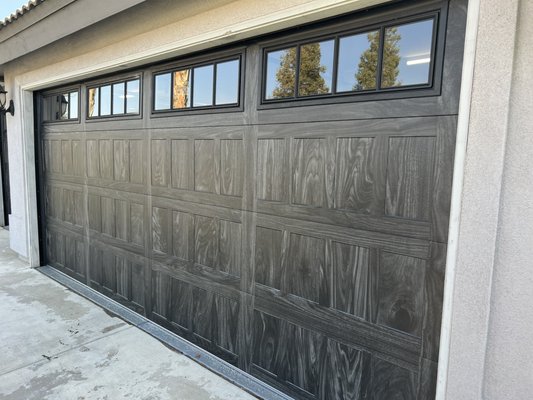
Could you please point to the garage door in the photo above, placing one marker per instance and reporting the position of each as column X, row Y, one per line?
column 283, row 203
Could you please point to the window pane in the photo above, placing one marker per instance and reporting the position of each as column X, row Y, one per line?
column 132, row 96
column 93, row 102
column 162, row 92
column 407, row 54
column 280, row 73
column 203, row 86
column 181, row 92
column 227, row 86
column 63, row 106
column 105, row 100
column 358, row 62
column 73, row 106
column 118, row 98
column 316, row 68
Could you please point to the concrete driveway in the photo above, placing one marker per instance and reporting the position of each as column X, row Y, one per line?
column 55, row 344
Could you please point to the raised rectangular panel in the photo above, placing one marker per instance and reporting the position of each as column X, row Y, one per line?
column 160, row 163
column 95, row 265
column 66, row 157
column 47, row 155
column 227, row 313
column 160, row 221
column 345, row 374
column 161, row 294
column 308, row 172
column 121, row 157
column 79, row 258
column 389, row 381
column 109, row 273
column 206, row 241
column 305, row 354
column 121, row 219
column 108, row 215
column 271, row 169
column 122, row 269
column 68, row 205
column 79, row 217
column 205, row 166
column 401, row 290
column 268, row 245
column 181, row 228
column 231, row 167
column 136, row 159
column 137, row 223
column 180, row 164
column 181, row 303
column 106, row 158
column 95, row 212
column 229, row 259
column 266, row 342
column 306, row 275
column 355, row 277
column 77, row 158
column 357, row 182
column 409, row 173
column 137, row 283
column 56, row 156
column 202, row 315
column 93, row 159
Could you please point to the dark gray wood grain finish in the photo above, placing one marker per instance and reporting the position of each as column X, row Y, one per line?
column 304, row 243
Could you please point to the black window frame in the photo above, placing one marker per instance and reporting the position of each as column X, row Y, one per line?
column 60, row 92
column 436, row 10
column 110, row 82
column 191, row 63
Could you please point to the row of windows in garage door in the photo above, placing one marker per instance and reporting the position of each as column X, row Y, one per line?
column 376, row 59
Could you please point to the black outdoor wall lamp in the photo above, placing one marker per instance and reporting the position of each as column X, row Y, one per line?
column 3, row 100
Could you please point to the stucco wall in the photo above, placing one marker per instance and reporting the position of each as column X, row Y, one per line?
column 490, row 353
column 509, row 362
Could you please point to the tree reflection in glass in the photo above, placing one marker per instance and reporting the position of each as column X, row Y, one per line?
column 181, row 92
column 316, row 67
column 407, row 54
column 281, row 73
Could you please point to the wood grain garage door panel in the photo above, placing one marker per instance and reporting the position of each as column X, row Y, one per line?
column 305, row 245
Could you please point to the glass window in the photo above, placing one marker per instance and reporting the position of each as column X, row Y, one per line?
column 73, row 105
column 62, row 101
column 181, row 92
column 105, row 100
column 227, row 82
column 61, row 107
column 203, row 86
column 358, row 62
column 93, row 102
column 316, row 68
column 407, row 54
column 133, row 96
column 281, row 73
column 119, row 98
column 162, row 92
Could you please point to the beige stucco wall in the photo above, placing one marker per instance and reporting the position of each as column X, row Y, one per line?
column 509, row 362
column 490, row 353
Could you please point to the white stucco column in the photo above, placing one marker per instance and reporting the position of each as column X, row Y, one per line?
column 485, row 278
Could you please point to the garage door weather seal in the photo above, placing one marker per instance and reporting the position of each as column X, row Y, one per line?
column 218, row 366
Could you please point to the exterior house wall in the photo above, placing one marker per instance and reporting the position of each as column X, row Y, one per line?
column 490, row 353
